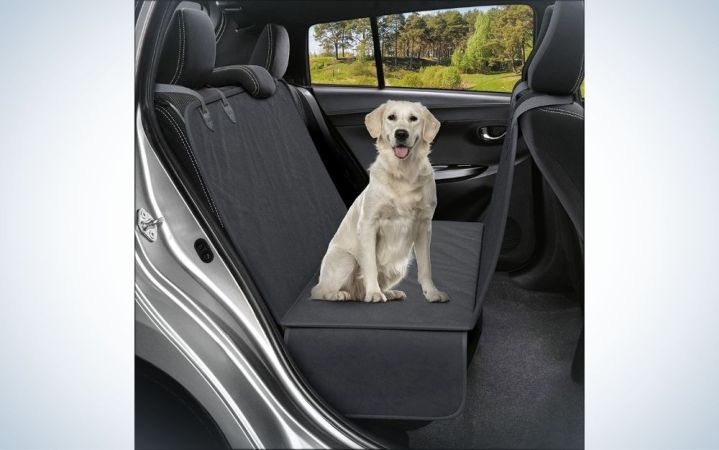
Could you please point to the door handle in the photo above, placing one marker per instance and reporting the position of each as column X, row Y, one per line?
column 456, row 172
column 486, row 136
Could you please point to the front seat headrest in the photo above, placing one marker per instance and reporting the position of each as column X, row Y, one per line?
column 188, row 53
column 272, row 50
column 558, row 64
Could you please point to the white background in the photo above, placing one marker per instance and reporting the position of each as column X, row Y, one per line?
column 66, row 224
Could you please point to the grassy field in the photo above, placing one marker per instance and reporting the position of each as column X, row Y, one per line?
column 496, row 82
column 327, row 70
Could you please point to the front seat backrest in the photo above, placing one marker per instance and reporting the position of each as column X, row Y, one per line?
column 555, row 135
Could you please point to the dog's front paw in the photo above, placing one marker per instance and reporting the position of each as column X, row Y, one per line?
column 337, row 296
column 395, row 295
column 436, row 296
column 375, row 297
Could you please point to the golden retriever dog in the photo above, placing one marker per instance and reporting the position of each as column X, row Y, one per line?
column 372, row 249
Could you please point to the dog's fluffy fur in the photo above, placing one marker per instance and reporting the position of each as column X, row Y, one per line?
column 372, row 248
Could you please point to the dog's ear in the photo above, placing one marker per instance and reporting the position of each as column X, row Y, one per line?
column 430, row 125
column 373, row 121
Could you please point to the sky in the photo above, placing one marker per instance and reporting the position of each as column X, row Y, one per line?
column 315, row 47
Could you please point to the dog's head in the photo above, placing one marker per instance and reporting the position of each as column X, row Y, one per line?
column 402, row 127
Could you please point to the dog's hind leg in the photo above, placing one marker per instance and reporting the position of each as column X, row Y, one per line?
column 336, row 276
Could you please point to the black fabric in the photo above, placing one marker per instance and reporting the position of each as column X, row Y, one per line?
column 170, row 110
column 348, row 175
column 265, row 181
column 280, row 210
column 272, row 50
column 255, row 79
column 555, row 137
column 384, row 373
column 558, row 63
column 188, row 53
column 455, row 264
column 278, row 203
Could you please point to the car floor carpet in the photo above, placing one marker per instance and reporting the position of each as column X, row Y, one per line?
column 519, row 390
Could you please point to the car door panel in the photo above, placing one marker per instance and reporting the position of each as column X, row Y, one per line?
column 465, row 164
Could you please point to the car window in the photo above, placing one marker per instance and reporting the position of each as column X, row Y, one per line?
column 342, row 53
column 476, row 49
column 473, row 48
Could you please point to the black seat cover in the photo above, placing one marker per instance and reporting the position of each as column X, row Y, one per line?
column 242, row 140
column 555, row 135
column 455, row 263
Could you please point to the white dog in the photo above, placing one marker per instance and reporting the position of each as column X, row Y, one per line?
column 372, row 248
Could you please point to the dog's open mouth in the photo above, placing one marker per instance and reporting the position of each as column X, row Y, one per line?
column 401, row 151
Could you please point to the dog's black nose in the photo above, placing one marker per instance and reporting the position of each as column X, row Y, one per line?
column 401, row 134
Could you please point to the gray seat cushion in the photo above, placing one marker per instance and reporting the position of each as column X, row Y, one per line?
column 455, row 264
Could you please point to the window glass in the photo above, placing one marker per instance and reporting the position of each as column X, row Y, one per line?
column 342, row 53
column 477, row 49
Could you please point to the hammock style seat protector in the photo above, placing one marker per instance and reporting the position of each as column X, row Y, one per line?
column 242, row 139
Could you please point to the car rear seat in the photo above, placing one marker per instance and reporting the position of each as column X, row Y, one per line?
column 245, row 145
column 347, row 173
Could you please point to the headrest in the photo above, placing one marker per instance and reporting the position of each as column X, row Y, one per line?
column 540, row 37
column 558, row 63
column 254, row 79
column 272, row 50
column 188, row 54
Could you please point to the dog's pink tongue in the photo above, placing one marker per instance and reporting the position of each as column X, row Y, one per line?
column 401, row 152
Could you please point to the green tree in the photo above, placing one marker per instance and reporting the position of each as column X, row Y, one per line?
column 362, row 36
column 346, row 39
column 330, row 36
column 456, row 32
column 436, row 27
column 470, row 17
column 478, row 51
column 390, row 28
column 416, row 35
column 458, row 58
column 514, row 31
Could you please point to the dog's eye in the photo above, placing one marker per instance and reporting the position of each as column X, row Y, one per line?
column 412, row 118
column 392, row 117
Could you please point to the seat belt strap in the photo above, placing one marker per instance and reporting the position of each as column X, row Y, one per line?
column 518, row 89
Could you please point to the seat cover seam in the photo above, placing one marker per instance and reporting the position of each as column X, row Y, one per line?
column 185, row 144
column 180, row 66
column 564, row 113
column 255, row 82
column 268, row 64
